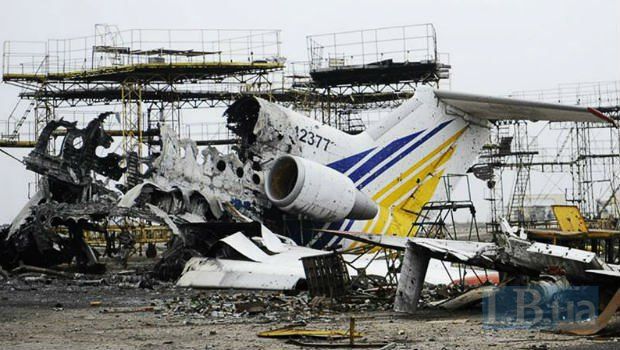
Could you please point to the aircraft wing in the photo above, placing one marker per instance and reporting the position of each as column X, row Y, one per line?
column 442, row 249
column 501, row 108
column 384, row 241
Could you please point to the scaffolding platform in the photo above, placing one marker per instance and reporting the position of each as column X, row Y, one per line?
column 152, row 72
column 87, row 96
column 140, row 69
column 379, row 56
column 153, row 55
column 379, row 73
column 155, row 73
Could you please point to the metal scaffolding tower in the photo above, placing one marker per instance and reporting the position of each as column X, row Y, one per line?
column 375, row 68
column 159, row 72
column 588, row 153
column 142, row 70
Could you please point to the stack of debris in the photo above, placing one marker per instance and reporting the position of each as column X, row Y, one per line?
column 434, row 294
column 265, row 306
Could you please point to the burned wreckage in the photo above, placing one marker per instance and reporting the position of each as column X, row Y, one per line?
column 213, row 208
column 247, row 219
column 69, row 198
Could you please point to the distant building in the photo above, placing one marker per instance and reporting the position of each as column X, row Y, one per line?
column 537, row 207
column 609, row 207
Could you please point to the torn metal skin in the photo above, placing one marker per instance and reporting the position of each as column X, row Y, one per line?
column 220, row 178
column 237, row 177
column 69, row 172
column 49, row 229
column 529, row 261
column 179, row 191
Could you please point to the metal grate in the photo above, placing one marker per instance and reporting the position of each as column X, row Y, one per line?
column 326, row 275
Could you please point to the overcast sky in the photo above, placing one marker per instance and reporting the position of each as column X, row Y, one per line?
column 495, row 47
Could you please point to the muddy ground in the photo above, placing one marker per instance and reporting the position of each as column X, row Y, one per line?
column 126, row 312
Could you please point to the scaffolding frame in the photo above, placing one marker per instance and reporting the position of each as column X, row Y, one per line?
column 377, row 68
column 588, row 152
column 436, row 218
column 140, row 70
column 205, row 68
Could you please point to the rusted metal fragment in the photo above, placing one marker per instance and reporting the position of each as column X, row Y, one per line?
column 598, row 324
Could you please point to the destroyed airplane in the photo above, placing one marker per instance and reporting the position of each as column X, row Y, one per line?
column 289, row 173
column 294, row 174
column 69, row 197
column 49, row 230
column 512, row 254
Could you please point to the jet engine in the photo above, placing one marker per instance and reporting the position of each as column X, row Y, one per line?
column 300, row 186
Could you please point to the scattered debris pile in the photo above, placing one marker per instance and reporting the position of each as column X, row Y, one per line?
column 264, row 306
column 433, row 294
column 217, row 245
column 546, row 267
column 27, row 277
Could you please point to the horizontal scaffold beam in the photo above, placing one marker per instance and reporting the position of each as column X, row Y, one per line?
column 6, row 143
column 108, row 95
column 164, row 72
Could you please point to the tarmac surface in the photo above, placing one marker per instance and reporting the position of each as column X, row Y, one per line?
column 126, row 311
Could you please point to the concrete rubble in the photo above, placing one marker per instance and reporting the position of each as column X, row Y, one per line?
column 168, row 316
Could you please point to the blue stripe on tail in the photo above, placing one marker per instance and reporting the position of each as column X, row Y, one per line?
column 403, row 154
column 347, row 163
column 380, row 156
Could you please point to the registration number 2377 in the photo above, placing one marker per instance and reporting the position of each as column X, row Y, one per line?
column 312, row 139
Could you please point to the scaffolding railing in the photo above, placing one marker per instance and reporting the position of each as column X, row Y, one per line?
column 215, row 130
column 588, row 153
column 297, row 74
column 110, row 48
column 591, row 94
column 411, row 43
column 28, row 130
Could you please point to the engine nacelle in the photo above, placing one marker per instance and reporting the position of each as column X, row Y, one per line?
column 300, row 186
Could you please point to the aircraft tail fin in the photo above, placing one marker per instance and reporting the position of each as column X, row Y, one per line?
column 433, row 134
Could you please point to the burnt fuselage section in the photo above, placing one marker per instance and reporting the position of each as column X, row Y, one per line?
column 69, row 200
